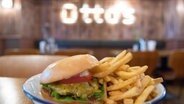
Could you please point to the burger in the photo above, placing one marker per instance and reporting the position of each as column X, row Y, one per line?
column 70, row 81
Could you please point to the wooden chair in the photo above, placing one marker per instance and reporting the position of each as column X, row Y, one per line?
column 25, row 65
column 22, row 52
column 71, row 52
column 146, row 58
column 176, row 63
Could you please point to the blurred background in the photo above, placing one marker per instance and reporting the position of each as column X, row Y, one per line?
column 22, row 22
column 102, row 28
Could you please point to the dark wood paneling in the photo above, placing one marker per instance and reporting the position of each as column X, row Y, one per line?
column 156, row 19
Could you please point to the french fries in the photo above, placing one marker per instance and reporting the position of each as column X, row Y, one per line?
column 134, row 91
column 125, row 84
column 122, row 85
column 127, row 75
column 128, row 101
column 144, row 95
column 115, row 65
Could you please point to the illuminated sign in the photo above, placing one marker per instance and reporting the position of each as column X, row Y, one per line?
column 122, row 12
column 86, row 11
column 69, row 14
column 7, row 4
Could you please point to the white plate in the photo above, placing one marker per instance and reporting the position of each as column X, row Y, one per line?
column 32, row 88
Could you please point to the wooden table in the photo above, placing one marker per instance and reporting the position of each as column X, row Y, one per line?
column 11, row 91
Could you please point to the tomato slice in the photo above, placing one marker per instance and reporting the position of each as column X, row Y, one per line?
column 77, row 79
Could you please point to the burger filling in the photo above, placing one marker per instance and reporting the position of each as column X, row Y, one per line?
column 83, row 91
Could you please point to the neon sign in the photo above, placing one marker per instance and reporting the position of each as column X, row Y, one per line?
column 66, row 18
column 119, row 13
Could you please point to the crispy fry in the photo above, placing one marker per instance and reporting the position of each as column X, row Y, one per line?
column 113, row 80
column 125, row 84
column 115, row 93
column 123, row 90
column 146, row 80
column 106, row 59
column 127, row 75
column 109, row 101
column 128, row 101
column 156, row 81
column 128, row 94
column 130, row 69
column 135, row 91
column 115, row 66
column 142, row 76
column 138, row 83
column 100, row 68
column 123, row 68
column 154, row 94
column 122, row 85
column 107, row 78
column 120, row 80
column 142, row 98
column 118, row 57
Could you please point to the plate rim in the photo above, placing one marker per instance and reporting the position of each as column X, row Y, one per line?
column 45, row 101
column 31, row 96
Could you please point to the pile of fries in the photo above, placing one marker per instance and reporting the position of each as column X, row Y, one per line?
column 125, row 84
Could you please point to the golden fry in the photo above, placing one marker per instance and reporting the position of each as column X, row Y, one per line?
column 107, row 78
column 142, row 76
column 127, row 75
column 109, row 101
column 113, row 80
column 122, row 85
column 128, row 101
column 125, row 84
column 115, row 66
column 123, row 68
column 130, row 69
column 142, row 98
column 120, row 80
column 156, row 81
column 100, row 68
column 123, row 90
column 138, row 83
column 115, row 93
column 106, row 59
column 145, row 82
column 128, row 94
column 118, row 57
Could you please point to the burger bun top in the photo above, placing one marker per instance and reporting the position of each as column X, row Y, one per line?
column 68, row 67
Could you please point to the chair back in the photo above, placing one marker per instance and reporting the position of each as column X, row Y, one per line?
column 71, row 52
column 25, row 65
column 22, row 52
column 176, row 62
column 146, row 58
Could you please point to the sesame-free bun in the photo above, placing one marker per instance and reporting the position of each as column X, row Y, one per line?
column 68, row 67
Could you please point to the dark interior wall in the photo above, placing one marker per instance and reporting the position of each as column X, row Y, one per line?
column 143, row 27
column 155, row 19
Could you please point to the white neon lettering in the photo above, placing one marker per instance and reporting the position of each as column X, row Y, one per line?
column 86, row 11
column 111, row 16
column 121, row 12
column 69, row 14
column 98, row 11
